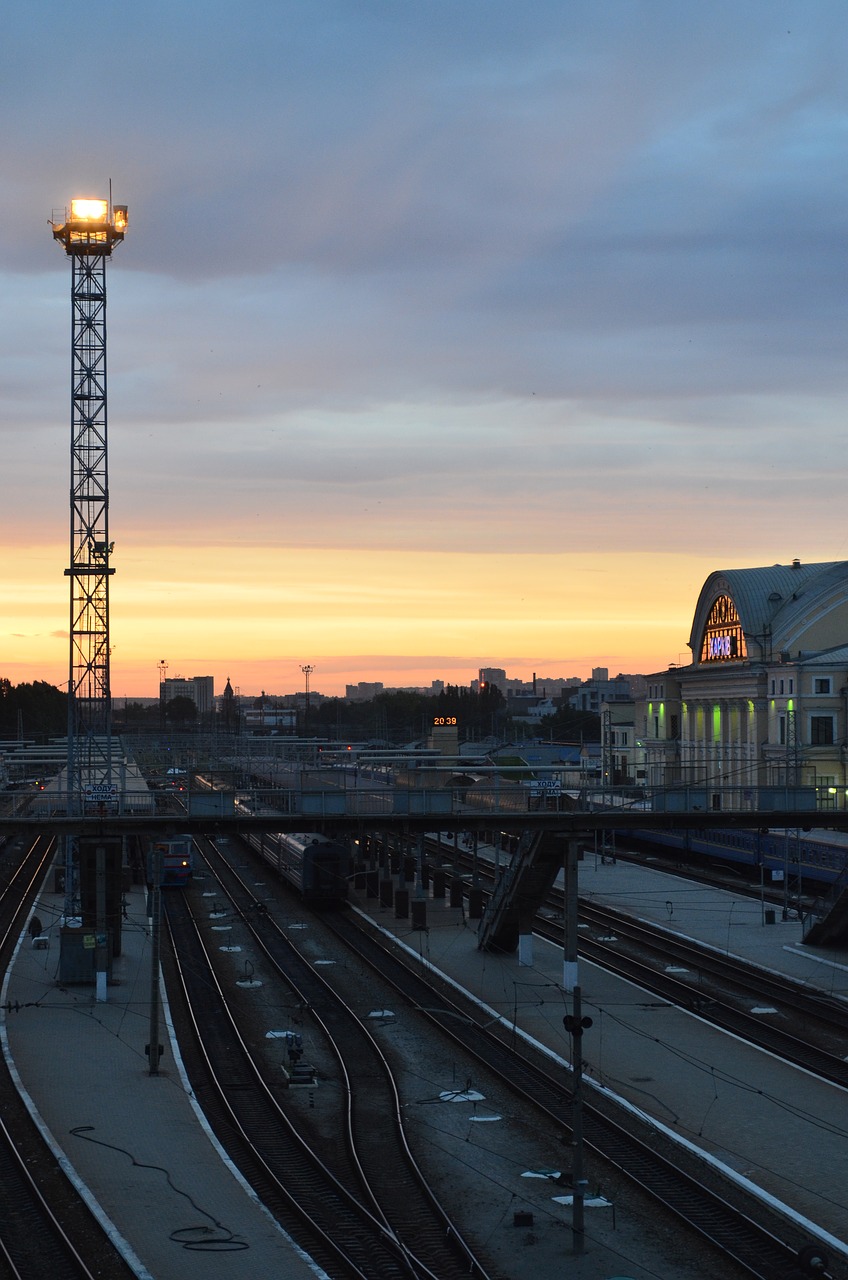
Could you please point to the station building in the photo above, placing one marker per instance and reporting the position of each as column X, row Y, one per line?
column 764, row 701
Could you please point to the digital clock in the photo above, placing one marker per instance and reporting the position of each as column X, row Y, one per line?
column 441, row 720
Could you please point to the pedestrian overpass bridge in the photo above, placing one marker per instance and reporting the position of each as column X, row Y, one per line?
column 190, row 808
column 553, row 828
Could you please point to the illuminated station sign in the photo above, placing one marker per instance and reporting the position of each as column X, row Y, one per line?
column 723, row 639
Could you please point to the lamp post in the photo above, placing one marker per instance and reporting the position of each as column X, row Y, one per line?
column 307, row 671
column 163, row 671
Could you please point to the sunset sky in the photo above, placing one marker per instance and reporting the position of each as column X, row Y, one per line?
column 445, row 334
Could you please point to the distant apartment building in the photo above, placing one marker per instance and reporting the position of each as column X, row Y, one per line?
column 364, row 691
column 622, row 754
column 539, row 686
column 200, row 689
column 525, row 705
column 592, row 694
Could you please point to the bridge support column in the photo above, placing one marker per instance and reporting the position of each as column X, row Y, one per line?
column 525, row 948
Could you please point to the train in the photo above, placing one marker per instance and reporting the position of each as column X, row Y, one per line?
column 820, row 856
column 174, row 858
column 318, row 867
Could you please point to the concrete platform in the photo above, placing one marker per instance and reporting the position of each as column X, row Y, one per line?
column 775, row 1130
column 728, row 921
column 135, row 1144
column 141, row 1151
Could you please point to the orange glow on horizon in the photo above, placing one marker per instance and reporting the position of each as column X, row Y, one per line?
column 254, row 614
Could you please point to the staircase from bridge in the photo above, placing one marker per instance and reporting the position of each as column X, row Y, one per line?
column 827, row 924
column 522, row 888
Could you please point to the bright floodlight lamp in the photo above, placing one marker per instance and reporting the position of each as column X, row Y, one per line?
column 89, row 210
column 93, row 227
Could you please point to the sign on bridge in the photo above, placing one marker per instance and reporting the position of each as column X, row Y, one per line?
column 101, row 797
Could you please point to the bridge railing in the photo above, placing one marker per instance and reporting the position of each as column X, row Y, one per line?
column 309, row 796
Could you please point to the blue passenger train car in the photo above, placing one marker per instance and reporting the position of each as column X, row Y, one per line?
column 820, row 855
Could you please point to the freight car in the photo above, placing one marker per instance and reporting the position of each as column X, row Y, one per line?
column 318, row 867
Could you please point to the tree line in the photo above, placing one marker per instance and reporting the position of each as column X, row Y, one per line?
column 404, row 716
column 38, row 710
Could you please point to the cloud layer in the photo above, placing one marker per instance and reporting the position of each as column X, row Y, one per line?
column 436, row 279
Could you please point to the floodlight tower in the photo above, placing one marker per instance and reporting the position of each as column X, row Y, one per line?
column 89, row 234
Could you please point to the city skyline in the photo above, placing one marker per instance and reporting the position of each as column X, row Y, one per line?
column 548, row 684
column 443, row 336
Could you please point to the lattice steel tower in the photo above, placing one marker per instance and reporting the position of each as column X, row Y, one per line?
column 89, row 234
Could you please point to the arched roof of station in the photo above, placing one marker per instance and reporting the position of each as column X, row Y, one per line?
column 781, row 608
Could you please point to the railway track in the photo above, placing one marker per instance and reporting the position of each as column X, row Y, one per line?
column 806, row 1028
column 760, row 1243
column 372, row 1213
column 750, row 1236
column 45, row 1227
column 721, row 989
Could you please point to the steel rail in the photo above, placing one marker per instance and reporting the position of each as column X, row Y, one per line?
column 399, row 1190
column 609, row 1131
column 283, row 1168
column 32, row 1233
column 733, row 979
